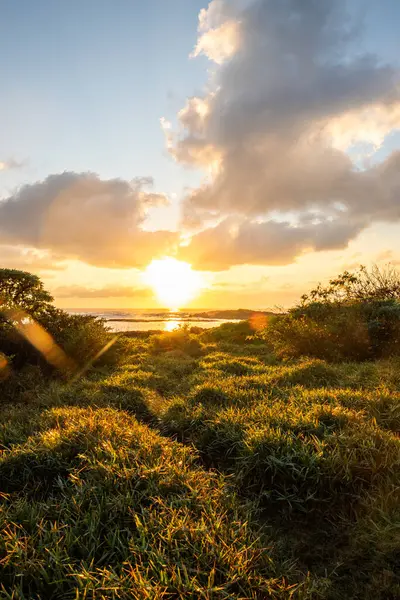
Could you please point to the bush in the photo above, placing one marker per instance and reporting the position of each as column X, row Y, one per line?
column 232, row 333
column 82, row 337
column 339, row 334
column 37, row 340
column 180, row 339
column 356, row 317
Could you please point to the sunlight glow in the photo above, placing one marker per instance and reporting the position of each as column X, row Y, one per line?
column 174, row 281
column 171, row 325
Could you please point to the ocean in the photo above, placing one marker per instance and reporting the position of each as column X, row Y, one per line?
column 136, row 319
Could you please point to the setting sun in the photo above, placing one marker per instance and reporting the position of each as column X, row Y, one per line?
column 174, row 281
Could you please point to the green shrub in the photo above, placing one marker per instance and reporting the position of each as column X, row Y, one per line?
column 27, row 316
column 179, row 339
column 233, row 333
column 337, row 334
column 81, row 337
column 356, row 317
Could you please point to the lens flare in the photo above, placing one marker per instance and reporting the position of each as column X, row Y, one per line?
column 44, row 343
column 4, row 368
column 36, row 335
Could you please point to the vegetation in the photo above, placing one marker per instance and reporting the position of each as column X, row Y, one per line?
column 202, row 465
column 32, row 329
column 355, row 317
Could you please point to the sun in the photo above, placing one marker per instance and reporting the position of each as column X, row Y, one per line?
column 174, row 281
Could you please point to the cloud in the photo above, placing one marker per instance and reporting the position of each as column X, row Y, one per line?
column 29, row 259
column 80, row 216
column 7, row 165
column 217, row 44
column 76, row 291
column 243, row 242
column 287, row 98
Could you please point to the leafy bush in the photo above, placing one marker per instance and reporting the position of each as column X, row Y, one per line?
column 23, row 290
column 356, row 317
column 360, row 286
column 81, row 336
column 233, row 333
column 180, row 339
column 333, row 335
column 35, row 334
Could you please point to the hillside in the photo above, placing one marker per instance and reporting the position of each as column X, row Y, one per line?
column 202, row 467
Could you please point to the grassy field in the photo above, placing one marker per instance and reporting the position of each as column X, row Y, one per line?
column 201, row 466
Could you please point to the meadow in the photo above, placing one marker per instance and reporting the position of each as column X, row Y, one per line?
column 255, row 460
column 201, row 465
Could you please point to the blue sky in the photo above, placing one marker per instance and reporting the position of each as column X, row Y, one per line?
column 84, row 85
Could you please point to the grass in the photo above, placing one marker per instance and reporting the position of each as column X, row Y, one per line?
column 203, row 467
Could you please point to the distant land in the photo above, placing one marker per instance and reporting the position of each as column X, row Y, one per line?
column 240, row 314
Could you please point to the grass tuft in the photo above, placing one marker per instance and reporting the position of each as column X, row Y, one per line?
column 202, row 466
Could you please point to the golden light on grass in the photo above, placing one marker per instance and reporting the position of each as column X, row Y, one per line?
column 174, row 281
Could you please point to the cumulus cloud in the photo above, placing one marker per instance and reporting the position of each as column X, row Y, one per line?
column 110, row 291
column 287, row 98
column 218, row 43
column 240, row 242
column 79, row 215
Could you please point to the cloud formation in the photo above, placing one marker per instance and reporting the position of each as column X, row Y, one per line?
column 29, row 259
column 288, row 97
column 240, row 242
column 79, row 215
column 110, row 291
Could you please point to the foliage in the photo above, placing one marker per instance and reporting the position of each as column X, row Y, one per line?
column 180, row 339
column 23, row 290
column 233, row 333
column 80, row 337
column 228, row 475
column 363, row 285
column 356, row 317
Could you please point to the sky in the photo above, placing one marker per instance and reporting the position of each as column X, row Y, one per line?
column 259, row 141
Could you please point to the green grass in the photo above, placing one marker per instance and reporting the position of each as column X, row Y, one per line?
column 203, row 467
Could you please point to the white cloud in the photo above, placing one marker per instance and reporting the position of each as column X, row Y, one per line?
column 80, row 216
column 29, row 259
column 370, row 125
column 271, row 134
column 218, row 44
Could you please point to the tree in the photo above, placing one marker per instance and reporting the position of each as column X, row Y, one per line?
column 19, row 289
column 51, row 335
